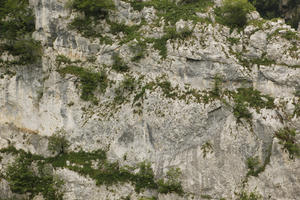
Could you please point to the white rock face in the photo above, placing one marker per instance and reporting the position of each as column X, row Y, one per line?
column 37, row 101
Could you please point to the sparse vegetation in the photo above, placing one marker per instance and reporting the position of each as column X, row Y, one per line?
column 288, row 140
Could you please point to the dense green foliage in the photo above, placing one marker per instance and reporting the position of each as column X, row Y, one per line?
column 233, row 13
column 287, row 138
column 17, row 26
column 23, row 179
column 89, row 81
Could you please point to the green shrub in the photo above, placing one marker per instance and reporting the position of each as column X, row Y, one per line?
column 125, row 89
column 252, row 196
column 118, row 64
column 240, row 111
column 172, row 182
column 173, row 12
column 287, row 138
column 89, row 81
column 245, row 97
column 58, row 142
column 95, row 8
column 270, row 9
column 252, row 164
column 23, row 180
column 233, row 13
column 144, row 178
column 17, row 25
column 170, row 34
column 16, row 19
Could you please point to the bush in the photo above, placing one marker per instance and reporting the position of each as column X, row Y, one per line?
column 17, row 25
column 172, row 182
column 95, row 8
column 28, row 50
column 287, row 138
column 24, row 180
column 118, row 64
column 58, row 142
column 233, row 13
column 89, row 81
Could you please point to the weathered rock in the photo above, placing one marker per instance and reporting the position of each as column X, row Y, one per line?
column 170, row 132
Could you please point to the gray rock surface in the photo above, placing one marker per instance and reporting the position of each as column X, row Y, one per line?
column 37, row 101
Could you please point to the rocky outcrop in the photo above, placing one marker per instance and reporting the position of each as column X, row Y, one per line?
column 181, row 111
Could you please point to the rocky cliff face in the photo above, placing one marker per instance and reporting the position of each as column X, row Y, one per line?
column 221, row 105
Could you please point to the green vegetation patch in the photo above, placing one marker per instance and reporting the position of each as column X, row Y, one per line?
column 92, row 8
column 287, row 138
column 57, row 143
column 92, row 164
column 255, row 167
column 118, row 64
column 286, row 34
column 249, row 97
column 17, row 25
column 24, row 180
column 89, row 80
column 170, row 34
column 173, row 12
column 233, row 13
column 171, row 182
column 249, row 196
